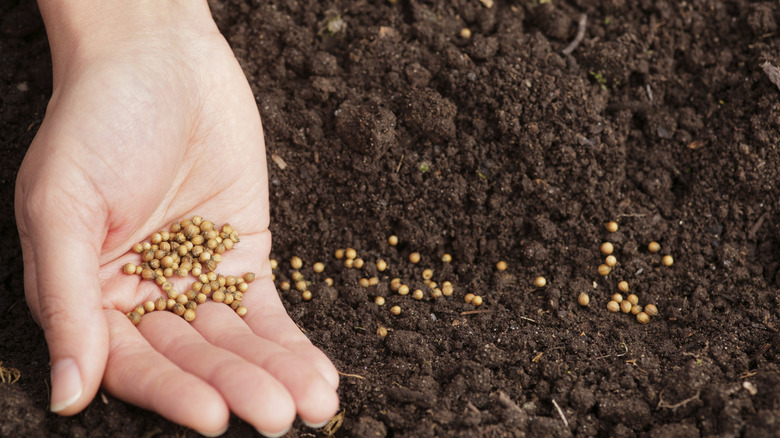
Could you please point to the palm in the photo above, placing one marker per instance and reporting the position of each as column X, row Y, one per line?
column 160, row 145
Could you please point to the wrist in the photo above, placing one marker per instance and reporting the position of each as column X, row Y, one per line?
column 79, row 30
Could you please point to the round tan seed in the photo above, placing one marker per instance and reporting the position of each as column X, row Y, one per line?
column 381, row 265
column 617, row 298
column 285, row 285
column 446, row 258
column 476, row 301
column 469, row 298
column 611, row 226
column 465, row 33
column 274, row 264
column 296, row 262
column 218, row 296
column 135, row 317
column 633, row 299
column 363, row 282
column 625, row 307
column 128, row 268
column 350, row 253
column 635, row 309
column 358, row 263
column 583, row 299
column 189, row 315
column 301, row 285
column 651, row 310
column 349, row 263
column 607, row 248
column 642, row 317
column 447, row 289
column 414, row 257
column 339, row 253
column 392, row 240
column 501, row 265
column 604, row 270
column 613, row 306
column 179, row 309
column 427, row 274
column 540, row 282
column 297, row 276
column 395, row 310
column 610, row 261
column 159, row 303
column 149, row 306
column 403, row 289
column 654, row 246
column 623, row 286
column 373, row 281
column 395, row 284
column 417, row 294
column 241, row 311
column 328, row 281
column 306, row 295
column 667, row 260
column 379, row 301
column 381, row 331
column 318, row 267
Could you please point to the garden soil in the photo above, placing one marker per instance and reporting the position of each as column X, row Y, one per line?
column 384, row 118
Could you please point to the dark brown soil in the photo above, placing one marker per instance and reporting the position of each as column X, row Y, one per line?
column 497, row 147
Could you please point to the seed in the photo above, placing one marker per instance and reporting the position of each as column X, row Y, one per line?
column 229, row 298
column 147, row 274
column 296, row 262
column 642, row 317
column 248, row 278
column 617, row 298
column 654, row 246
column 403, row 289
column 204, row 257
column 168, row 272
column 392, row 240
column 363, row 282
column 651, row 310
column 358, row 263
column 159, row 303
column 238, row 295
column 436, row 293
column 189, row 315
column 218, row 296
column 446, row 288
column 349, row 263
column 381, row 331
column 427, row 274
column 274, row 263
column 540, row 282
column 182, row 299
column 169, row 303
column 241, row 311
column 476, row 301
column 318, row 267
column 339, row 254
column 469, row 297
column 167, row 286
column 583, row 299
column 284, row 285
column 625, row 306
column 196, row 270
column 379, row 301
column 350, row 253
column 297, row 276
column 373, row 281
column 465, row 33
column 381, row 265
column 191, row 305
column 138, row 248
column 328, row 281
column 610, row 261
column 611, row 226
column 135, row 317
column 431, row 284
column 623, row 286
column 446, row 258
column 301, row 285
column 217, row 257
column 395, row 284
column 417, row 294
column 633, row 299
column 306, row 295
column 197, row 220
column 149, row 306
column 635, row 309
column 501, row 265
column 613, row 306
column 128, row 268
column 201, row 298
column 414, row 257
column 160, row 280
column 395, row 310
column 667, row 260
column 607, row 248
column 235, row 304
column 179, row 309
column 604, row 270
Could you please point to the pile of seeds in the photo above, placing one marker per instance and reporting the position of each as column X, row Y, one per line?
column 190, row 247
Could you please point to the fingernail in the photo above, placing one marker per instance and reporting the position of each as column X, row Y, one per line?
column 66, row 386
column 215, row 434
column 315, row 426
column 274, row 435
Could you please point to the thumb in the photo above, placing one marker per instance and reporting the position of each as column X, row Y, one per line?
column 63, row 290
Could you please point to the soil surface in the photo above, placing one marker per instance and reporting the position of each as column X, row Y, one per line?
column 384, row 118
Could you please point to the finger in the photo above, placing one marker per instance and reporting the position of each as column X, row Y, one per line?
column 250, row 392
column 268, row 319
column 138, row 374
column 67, row 299
column 315, row 399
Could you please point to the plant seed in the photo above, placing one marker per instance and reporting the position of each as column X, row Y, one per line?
column 403, row 289
column 583, row 299
column 651, row 310
column 610, row 261
column 635, row 309
column 318, row 267
column 446, row 258
column 339, row 254
column 392, row 240
column 358, row 263
column 274, row 264
column 427, row 274
column 653, row 246
column 476, row 301
column 613, row 306
column 328, row 281
column 306, row 295
column 667, row 260
column 189, row 315
column 617, row 298
column 417, row 294
column 469, row 298
column 128, row 268
column 414, row 257
column 642, row 317
column 611, row 226
column 381, row 265
column 625, row 306
column 501, row 265
column 379, row 301
column 296, row 262
column 350, row 253
column 395, row 310
column 446, row 288
column 607, row 248
column 633, row 299
column 623, row 286
column 381, row 331
column 604, row 270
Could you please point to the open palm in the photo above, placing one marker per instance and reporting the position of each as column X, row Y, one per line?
column 133, row 140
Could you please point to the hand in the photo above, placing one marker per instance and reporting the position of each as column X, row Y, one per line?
column 151, row 121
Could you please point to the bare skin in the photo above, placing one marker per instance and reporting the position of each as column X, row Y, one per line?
column 151, row 120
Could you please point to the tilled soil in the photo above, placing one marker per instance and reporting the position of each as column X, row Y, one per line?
column 382, row 118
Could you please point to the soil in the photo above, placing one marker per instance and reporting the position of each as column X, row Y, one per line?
column 493, row 147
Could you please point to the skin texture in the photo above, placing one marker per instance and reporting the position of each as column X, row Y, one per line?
column 151, row 121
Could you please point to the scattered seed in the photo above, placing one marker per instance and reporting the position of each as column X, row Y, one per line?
column 623, row 286
column 653, row 246
column 427, row 274
column 633, row 299
column 617, row 298
column 395, row 310
column 403, row 289
column 651, row 310
column 476, row 301
column 296, row 262
column 350, row 253
column 381, row 331
column 611, row 226
column 318, row 267
column 583, row 299
column 607, row 248
column 381, row 265
column 635, row 309
column 414, row 257
column 363, row 282
column 339, row 254
column 501, row 265
column 373, row 281
column 395, row 284
column 469, row 297
column 348, row 263
column 329, row 281
column 446, row 258
column 604, row 270
column 667, row 260
column 642, row 317
column 358, row 263
column 128, row 268
column 436, row 293
column 379, row 301
column 306, row 295
column 140, row 310
column 610, row 261
column 625, row 306
column 417, row 294
column 446, row 288
column 297, row 276
column 540, row 282
column 189, row 315
column 218, row 296
column 613, row 306
column 392, row 240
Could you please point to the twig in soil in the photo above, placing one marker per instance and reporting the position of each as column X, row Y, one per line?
column 563, row 417
column 631, row 215
column 537, row 357
column 528, row 319
column 357, row 376
column 663, row 404
column 474, row 312
column 400, row 162
column 583, row 21
column 279, row 161
column 754, row 229
column 772, row 72
column 633, row 362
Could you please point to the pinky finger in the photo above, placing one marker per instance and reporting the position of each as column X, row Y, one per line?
column 138, row 374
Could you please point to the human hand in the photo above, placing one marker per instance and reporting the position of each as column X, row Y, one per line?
column 151, row 121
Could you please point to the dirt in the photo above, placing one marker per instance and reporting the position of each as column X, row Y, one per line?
column 493, row 147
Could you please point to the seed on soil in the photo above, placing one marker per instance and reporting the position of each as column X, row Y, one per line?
column 379, row 301
column 617, row 298
column 613, row 306
column 667, row 260
column 301, row 285
column 414, row 257
column 476, row 301
column 350, row 253
column 427, row 274
column 297, row 276
column 436, row 293
column 651, row 310
column 349, row 263
column 392, row 240
column 373, row 281
column 381, row 265
column 623, row 286
column 633, row 299
column 431, row 284
column 446, row 288
column 363, row 282
column 610, row 261
column 540, row 282
column 625, row 306
column 306, row 295
column 381, row 331
column 583, row 299
column 417, row 294
column 328, row 281
column 611, row 226
column 635, row 309
column 395, row 310
column 395, row 284
column 642, row 317
column 403, row 289
column 465, row 33
column 339, row 254
column 604, row 270
column 607, row 248
column 285, row 285
column 358, row 263
column 469, row 298
column 653, row 246
column 501, row 265
column 295, row 262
